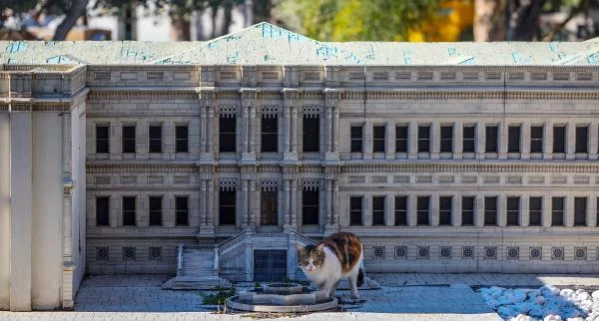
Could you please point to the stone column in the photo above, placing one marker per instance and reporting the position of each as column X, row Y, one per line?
column 479, row 211
column 458, row 139
column 548, row 140
column 546, row 211
column 411, row 217
column 207, row 196
column 390, row 210
column 435, row 141
column 456, row 210
column 247, row 194
column 332, row 98
column 293, row 202
column 286, row 203
column 390, row 142
column 593, row 139
column 480, row 140
column 21, row 209
column 569, row 211
column 501, row 210
column 592, row 211
column 525, row 141
column 412, row 140
column 291, row 99
column 524, row 210
column 570, row 140
column 248, row 101
column 67, row 216
column 207, row 106
column 434, row 210
column 502, row 136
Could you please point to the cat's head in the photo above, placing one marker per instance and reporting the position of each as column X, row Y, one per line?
column 310, row 257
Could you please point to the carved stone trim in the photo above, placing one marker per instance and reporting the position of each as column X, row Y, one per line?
column 130, row 94
column 474, row 94
column 473, row 167
column 269, row 185
column 140, row 168
column 311, row 184
column 228, row 184
column 311, row 111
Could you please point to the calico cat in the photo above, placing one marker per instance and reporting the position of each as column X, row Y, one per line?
column 338, row 256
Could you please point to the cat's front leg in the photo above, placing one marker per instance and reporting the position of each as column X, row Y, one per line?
column 333, row 289
column 353, row 285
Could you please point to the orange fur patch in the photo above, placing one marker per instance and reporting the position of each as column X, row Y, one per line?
column 347, row 247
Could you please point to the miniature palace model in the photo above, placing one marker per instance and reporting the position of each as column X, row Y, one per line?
column 212, row 159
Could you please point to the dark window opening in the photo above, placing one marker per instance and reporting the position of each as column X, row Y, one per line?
column 355, row 204
column 269, row 208
column 424, row 135
column 378, row 210
column 227, row 136
column 491, row 139
column 469, row 140
column 401, row 210
column 182, row 139
column 182, row 210
column 490, row 211
column 226, row 207
column 447, row 139
column 557, row 211
column 102, row 139
column 423, row 210
column 129, row 210
column 468, row 210
column 378, row 139
column 311, row 136
column 156, row 139
column 536, row 139
column 129, row 139
column 559, row 139
column 445, row 210
column 401, row 139
column 155, row 210
column 580, row 211
column 535, row 211
column 270, row 134
column 357, row 137
column 513, row 211
column 310, row 207
column 102, row 210
column 514, row 134
column 582, row 139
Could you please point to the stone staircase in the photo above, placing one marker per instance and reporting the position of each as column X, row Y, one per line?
column 197, row 269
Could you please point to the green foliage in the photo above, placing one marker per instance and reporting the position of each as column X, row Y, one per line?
column 352, row 20
column 220, row 297
column 257, row 285
column 286, row 280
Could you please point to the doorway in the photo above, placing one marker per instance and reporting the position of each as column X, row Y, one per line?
column 270, row 265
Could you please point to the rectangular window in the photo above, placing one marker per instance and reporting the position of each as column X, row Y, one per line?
column 129, row 139
column 490, row 211
column 401, row 139
column 227, row 136
column 378, row 210
column 311, row 134
column 357, row 138
column 270, row 134
column 469, row 139
column 129, row 210
column 226, row 207
column 557, row 211
column 422, row 211
column 513, row 211
column 182, row 210
column 535, row 211
column 310, row 207
column 582, row 139
column 447, row 139
column 513, row 145
column 155, row 210
column 102, row 210
column 269, row 209
column 156, row 139
column 491, row 139
column 468, row 210
column 580, row 211
column 424, row 135
column 536, row 139
column 378, row 139
column 559, row 139
column 355, row 215
column 401, row 210
column 445, row 210
column 102, row 139
column 182, row 139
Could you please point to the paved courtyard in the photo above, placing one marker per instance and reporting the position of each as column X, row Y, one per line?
column 402, row 297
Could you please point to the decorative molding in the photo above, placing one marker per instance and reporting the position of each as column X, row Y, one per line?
column 474, row 94
column 228, row 184
column 140, row 168
column 269, row 185
column 310, row 184
column 125, row 94
column 561, row 168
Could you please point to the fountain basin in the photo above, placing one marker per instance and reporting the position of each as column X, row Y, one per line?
column 282, row 297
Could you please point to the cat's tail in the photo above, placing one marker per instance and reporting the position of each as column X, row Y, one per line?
column 361, row 274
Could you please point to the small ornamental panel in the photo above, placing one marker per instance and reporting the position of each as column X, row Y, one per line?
column 580, row 253
column 102, row 253
column 379, row 252
column 513, row 253
column 468, row 252
column 155, row 253
column 557, row 253
column 423, row 252
column 445, row 252
column 401, row 252
column 535, row 253
column 491, row 252
column 128, row 253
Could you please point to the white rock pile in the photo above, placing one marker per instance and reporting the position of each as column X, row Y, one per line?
column 547, row 303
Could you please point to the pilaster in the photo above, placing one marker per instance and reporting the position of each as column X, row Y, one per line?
column 524, row 211
column 290, row 106
column 207, row 195
column 207, row 99
column 525, row 141
column 21, row 209
column 546, row 210
column 248, row 113
column 248, row 186
column 548, row 140
column 332, row 98
column 332, row 198
column 570, row 140
column 456, row 211
column 458, row 139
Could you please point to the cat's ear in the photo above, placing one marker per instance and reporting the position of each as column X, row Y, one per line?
column 320, row 247
column 299, row 247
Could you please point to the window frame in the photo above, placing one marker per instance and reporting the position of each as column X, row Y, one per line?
column 126, row 212
column 402, row 141
column 514, row 143
column 227, row 140
column 490, row 203
column 182, row 143
column 182, row 212
column 105, row 149
column 155, row 215
column 356, row 213
column 491, row 145
column 538, row 211
column 510, row 210
column 311, row 135
column 378, row 214
column 397, row 211
column 312, row 207
column 558, row 212
column 128, row 144
column 356, row 143
column 155, row 143
column 468, row 211
column 269, row 135
column 445, row 214
column 379, row 142
column 420, row 217
column 537, row 140
column 446, row 143
column 424, row 143
column 467, row 140
column 105, row 216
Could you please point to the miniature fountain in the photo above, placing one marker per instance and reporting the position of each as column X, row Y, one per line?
column 283, row 298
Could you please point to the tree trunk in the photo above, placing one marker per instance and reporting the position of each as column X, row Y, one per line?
column 227, row 17
column 524, row 20
column 77, row 10
column 180, row 27
column 489, row 21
